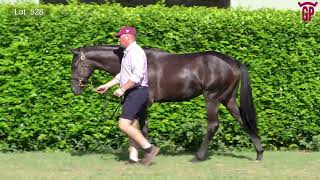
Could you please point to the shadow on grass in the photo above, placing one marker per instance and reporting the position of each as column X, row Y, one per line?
column 211, row 155
column 124, row 155
column 230, row 154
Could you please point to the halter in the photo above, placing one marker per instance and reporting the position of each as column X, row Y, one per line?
column 83, row 65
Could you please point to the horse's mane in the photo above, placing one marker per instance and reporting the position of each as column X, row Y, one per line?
column 112, row 47
column 119, row 50
column 99, row 47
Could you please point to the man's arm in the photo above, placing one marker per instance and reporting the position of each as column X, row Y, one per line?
column 129, row 84
column 103, row 88
column 114, row 81
column 138, row 65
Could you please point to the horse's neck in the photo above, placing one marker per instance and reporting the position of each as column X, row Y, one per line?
column 106, row 62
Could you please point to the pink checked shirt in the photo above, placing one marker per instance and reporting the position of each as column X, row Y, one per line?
column 133, row 66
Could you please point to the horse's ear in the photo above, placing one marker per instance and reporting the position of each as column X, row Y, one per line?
column 75, row 51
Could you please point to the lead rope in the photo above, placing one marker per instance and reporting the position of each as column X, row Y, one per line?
column 107, row 118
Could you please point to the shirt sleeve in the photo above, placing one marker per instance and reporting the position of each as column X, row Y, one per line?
column 117, row 77
column 138, row 61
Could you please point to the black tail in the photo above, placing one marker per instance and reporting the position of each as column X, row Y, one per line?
column 247, row 110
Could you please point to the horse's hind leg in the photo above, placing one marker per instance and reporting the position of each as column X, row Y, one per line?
column 213, row 124
column 233, row 108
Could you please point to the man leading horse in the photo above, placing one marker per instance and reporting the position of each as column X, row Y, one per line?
column 171, row 78
column 133, row 79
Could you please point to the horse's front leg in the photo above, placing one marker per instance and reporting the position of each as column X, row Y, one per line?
column 213, row 124
column 143, row 123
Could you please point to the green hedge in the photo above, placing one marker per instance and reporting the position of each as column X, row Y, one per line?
column 39, row 111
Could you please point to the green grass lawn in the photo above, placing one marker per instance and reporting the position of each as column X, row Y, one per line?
column 226, row 165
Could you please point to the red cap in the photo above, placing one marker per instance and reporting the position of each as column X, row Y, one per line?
column 126, row 30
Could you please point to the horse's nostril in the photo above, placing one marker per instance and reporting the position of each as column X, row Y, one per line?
column 77, row 90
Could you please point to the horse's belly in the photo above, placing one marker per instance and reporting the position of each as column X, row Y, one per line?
column 178, row 89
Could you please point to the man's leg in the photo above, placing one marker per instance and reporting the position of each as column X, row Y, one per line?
column 127, row 127
column 150, row 151
column 133, row 146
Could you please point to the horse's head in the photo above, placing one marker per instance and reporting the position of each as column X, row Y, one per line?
column 82, row 69
column 86, row 60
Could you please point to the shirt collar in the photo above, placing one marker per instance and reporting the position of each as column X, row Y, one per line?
column 130, row 47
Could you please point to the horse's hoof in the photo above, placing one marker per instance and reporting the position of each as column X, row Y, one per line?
column 196, row 160
column 259, row 157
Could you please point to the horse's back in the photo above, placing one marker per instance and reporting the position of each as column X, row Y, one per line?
column 186, row 76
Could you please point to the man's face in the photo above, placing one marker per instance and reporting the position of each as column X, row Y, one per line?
column 124, row 39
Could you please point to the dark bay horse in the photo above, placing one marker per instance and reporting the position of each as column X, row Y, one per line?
column 181, row 77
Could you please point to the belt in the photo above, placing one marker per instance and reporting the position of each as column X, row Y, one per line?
column 139, row 87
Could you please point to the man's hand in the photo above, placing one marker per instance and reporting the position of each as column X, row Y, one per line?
column 119, row 92
column 102, row 89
